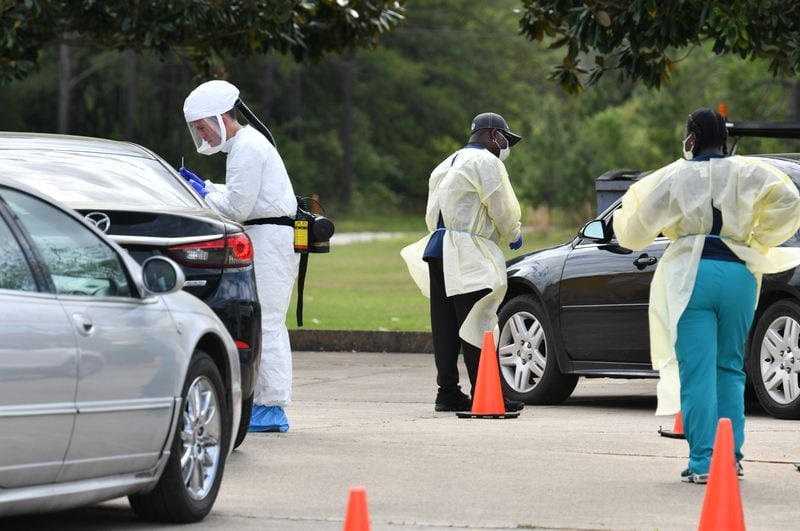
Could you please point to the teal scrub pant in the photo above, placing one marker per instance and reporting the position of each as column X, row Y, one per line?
column 710, row 349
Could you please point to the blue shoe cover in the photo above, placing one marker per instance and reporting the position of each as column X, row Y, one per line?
column 268, row 418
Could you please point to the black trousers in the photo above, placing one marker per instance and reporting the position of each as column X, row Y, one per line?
column 447, row 316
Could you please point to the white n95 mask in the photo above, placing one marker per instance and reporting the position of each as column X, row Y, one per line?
column 688, row 155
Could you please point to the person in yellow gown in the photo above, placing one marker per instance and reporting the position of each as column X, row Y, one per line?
column 725, row 217
column 459, row 265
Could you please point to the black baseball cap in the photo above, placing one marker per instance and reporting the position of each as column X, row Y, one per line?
column 491, row 120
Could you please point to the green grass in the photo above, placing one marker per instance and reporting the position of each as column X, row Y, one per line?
column 366, row 286
column 384, row 222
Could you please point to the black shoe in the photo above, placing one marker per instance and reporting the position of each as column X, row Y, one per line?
column 513, row 405
column 688, row 476
column 457, row 401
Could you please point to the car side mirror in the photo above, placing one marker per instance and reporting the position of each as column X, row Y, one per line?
column 161, row 275
column 596, row 230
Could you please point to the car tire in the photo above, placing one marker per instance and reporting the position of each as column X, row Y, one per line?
column 527, row 354
column 201, row 438
column 774, row 361
column 244, row 425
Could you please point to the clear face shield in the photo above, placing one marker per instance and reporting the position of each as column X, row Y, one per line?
column 208, row 134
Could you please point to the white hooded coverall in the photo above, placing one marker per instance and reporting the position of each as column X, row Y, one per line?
column 760, row 208
column 257, row 186
column 479, row 210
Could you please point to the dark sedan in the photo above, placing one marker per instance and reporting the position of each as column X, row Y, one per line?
column 580, row 309
column 140, row 201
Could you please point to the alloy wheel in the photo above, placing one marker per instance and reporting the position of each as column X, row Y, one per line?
column 522, row 351
column 779, row 360
column 200, row 438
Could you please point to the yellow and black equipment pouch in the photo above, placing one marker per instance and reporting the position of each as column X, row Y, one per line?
column 312, row 234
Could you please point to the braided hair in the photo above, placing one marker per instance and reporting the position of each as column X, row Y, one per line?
column 709, row 130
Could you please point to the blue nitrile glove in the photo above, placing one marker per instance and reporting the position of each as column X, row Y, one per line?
column 200, row 188
column 516, row 245
column 191, row 177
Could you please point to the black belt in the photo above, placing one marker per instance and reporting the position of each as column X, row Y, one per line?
column 283, row 220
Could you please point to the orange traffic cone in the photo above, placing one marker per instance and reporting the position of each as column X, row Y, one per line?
column 357, row 518
column 677, row 430
column 487, row 397
column 722, row 506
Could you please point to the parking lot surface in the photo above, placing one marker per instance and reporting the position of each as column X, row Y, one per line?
column 367, row 419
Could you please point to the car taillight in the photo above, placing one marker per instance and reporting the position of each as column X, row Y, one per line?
column 233, row 251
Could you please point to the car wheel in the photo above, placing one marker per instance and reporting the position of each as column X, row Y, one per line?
column 247, row 412
column 190, row 481
column 774, row 363
column 527, row 354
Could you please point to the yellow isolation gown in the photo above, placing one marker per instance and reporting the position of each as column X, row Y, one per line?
column 480, row 211
column 760, row 208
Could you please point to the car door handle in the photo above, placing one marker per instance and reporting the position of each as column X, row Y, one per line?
column 645, row 260
column 83, row 323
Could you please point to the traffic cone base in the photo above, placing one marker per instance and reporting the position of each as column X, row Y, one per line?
column 487, row 397
column 471, row 415
column 677, row 430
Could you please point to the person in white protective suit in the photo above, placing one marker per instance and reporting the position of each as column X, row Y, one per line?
column 257, row 193
column 459, row 265
column 725, row 217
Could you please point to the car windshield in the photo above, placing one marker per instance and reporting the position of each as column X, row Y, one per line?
column 86, row 180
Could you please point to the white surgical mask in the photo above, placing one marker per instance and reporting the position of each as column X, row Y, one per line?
column 216, row 126
column 505, row 150
column 688, row 155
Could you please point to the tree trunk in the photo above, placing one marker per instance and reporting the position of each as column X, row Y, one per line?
column 268, row 81
column 64, row 87
column 346, row 129
column 171, row 106
column 183, row 139
column 297, row 103
column 794, row 101
column 133, row 83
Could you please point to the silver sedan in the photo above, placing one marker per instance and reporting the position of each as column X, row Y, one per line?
column 114, row 382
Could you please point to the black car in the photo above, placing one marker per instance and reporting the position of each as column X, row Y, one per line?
column 141, row 202
column 580, row 309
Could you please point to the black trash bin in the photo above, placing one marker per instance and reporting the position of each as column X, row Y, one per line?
column 612, row 185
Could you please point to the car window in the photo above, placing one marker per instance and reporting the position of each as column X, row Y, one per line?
column 86, row 180
column 79, row 261
column 609, row 219
column 15, row 273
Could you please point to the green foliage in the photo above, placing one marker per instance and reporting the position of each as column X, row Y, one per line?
column 203, row 29
column 413, row 99
column 643, row 39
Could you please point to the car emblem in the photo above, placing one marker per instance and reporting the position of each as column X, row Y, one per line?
column 99, row 220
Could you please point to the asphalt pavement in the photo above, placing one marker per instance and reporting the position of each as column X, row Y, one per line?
column 367, row 419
